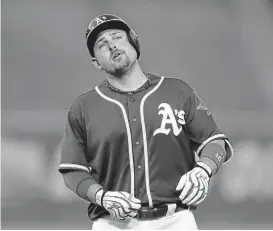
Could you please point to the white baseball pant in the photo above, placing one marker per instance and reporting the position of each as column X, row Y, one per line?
column 180, row 220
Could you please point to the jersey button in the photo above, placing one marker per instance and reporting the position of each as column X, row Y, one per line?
column 137, row 143
column 134, row 119
column 132, row 99
column 139, row 166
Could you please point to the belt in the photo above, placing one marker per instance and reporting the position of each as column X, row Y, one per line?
column 147, row 213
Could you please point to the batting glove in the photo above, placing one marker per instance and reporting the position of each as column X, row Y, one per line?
column 121, row 205
column 194, row 185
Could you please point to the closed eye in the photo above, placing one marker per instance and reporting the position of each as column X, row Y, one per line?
column 101, row 45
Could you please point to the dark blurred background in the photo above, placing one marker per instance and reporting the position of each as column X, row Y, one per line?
column 222, row 48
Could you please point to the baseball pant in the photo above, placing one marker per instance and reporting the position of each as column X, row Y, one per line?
column 179, row 220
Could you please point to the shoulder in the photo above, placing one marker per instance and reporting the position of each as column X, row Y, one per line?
column 81, row 100
column 84, row 101
column 178, row 84
column 173, row 84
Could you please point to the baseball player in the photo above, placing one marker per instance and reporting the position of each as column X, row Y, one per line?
column 130, row 143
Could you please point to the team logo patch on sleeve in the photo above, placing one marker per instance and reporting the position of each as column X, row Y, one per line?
column 202, row 106
column 169, row 116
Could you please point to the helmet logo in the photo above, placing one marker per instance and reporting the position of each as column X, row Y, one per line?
column 100, row 20
column 96, row 21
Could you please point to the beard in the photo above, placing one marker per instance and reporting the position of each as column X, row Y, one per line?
column 120, row 66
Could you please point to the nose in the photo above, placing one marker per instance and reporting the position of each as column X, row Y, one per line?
column 112, row 47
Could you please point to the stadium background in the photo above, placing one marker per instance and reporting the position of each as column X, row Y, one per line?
column 223, row 48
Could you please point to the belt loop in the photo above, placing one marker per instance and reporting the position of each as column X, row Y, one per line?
column 171, row 209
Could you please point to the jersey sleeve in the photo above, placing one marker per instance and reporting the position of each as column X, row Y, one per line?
column 73, row 153
column 201, row 125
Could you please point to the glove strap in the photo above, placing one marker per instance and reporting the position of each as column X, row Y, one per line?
column 99, row 196
column 102, row 196
column 205, row 167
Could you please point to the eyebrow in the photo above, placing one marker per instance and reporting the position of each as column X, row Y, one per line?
column 113, row 33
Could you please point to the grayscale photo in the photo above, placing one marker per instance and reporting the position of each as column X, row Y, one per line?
column 136, row 115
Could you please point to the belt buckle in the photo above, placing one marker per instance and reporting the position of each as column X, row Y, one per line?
column 146, row 214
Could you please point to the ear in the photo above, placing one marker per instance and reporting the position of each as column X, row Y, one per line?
column 96, row 63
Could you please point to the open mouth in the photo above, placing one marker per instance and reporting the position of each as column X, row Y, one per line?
column 116, row 55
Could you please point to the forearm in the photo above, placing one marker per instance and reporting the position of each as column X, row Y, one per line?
column 214, row 155
column 82, row 183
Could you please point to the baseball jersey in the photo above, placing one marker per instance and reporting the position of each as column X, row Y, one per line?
column 139, row 142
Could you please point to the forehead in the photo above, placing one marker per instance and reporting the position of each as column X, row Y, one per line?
column 109, row 32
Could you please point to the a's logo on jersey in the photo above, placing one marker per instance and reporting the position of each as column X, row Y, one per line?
column 169, row 116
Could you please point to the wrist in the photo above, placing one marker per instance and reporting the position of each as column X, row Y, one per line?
column 209, row 168
column 92, row 191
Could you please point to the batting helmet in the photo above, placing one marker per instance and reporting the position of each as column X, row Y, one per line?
column 109, row 21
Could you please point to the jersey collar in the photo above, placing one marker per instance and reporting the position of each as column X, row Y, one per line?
column 145, row 86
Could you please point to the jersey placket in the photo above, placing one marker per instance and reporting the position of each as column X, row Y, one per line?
column 133, row 103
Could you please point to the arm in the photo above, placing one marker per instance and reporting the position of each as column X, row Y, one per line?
column 77, row 173
column 213, row 156
column 211, row 146
column 83, row 184
column 74, row 167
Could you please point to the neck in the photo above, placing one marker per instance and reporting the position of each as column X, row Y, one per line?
column 129, row 81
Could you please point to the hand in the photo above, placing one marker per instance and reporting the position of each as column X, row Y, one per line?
column 193, row 186
column 120, row 205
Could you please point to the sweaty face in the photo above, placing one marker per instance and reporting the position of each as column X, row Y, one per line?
column 114, row 52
